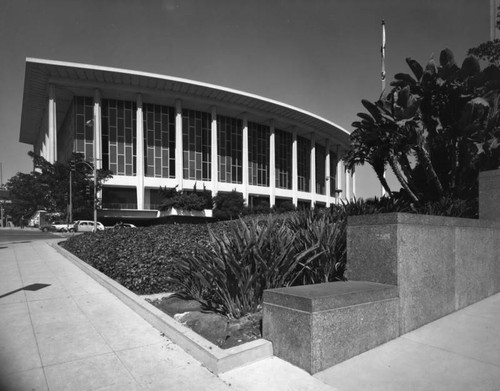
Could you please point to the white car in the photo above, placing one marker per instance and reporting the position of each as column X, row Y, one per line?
column 87, row 226
column 63, row 227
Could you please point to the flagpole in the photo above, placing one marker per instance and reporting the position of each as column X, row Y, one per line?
column 382, row 53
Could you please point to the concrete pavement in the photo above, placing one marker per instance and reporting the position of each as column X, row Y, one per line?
column 458, row 352
column 61, row 330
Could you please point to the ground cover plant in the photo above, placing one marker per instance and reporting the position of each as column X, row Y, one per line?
column 140, row 258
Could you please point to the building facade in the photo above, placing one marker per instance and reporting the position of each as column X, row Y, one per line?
column 152, row 130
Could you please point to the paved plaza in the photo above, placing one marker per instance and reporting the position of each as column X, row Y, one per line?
column 61, row 330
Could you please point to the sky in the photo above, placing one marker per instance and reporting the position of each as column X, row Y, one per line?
column 322, row 56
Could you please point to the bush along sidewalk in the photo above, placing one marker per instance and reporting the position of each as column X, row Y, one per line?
column 226, row 266
column 140, row 259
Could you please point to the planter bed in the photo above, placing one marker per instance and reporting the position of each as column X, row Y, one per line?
column 216, row 328
column 210, row 355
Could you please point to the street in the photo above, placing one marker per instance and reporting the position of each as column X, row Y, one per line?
column 16, row 235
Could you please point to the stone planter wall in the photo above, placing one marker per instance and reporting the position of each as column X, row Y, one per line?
column 439, row 264
column 423, row 267
column 317, row 326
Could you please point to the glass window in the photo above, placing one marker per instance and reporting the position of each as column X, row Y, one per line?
column 258, row 154
column 119, row 136
column 229, row 140
column 303, row 163
column 196, row 140
column 159, row 141
column 84, row 134
column 283, row 146
column 320, row 169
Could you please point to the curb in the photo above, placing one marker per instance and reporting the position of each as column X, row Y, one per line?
column 210, row 355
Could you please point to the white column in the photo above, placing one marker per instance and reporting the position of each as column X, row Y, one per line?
column 272, row 165
column 295, row 178
column 97, row 150
column 353, row 183
column 339, row 178
column 52, row 126
column 98, row 129
column 179, row 158
column 215, row 153
column 327, row 173
column 347, row 184
column 244, row 165
column 139, row 153
column 313, row 170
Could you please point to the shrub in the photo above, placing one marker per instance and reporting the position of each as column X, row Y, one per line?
column 326, row 231
column 231, row 274
column 186, row 199
column 284, row 207
column 262, row 207
column 229, row 206
column 140, row 259
column 450, row 207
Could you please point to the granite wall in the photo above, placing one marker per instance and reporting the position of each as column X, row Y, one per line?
column 439, row 264
column 404, row 271
column 317, row 326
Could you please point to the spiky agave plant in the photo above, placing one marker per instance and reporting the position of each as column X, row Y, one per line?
column 232, row 273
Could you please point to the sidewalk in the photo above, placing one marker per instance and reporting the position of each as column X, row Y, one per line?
column 458, row 352
column 61, row 330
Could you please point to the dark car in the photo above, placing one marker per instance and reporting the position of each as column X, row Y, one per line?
column 123, row 225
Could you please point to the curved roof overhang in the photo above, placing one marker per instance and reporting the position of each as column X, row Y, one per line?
column 72, row 79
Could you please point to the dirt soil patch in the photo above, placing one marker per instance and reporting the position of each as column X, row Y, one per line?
column 216, row 328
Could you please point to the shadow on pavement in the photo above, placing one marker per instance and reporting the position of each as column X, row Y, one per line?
column 31, row 287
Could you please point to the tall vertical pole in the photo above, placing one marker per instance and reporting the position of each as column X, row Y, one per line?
column 70, row 196
column 382, row 52
column 95, row 176
column 382, row 75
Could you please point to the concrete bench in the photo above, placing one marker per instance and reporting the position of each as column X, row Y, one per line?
column 317, row 326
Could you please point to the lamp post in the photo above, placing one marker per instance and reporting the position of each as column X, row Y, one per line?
column 71, row 193
column 94, row 149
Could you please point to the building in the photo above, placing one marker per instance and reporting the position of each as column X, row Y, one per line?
column 153, row 130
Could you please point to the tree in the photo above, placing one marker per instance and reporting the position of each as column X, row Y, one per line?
column 47, row 188
column 435, row 128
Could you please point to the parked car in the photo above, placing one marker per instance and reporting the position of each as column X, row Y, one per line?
column 47, row 228
column 63, row 227
column 123, row 225
column 87, row 226
column 58, row 226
